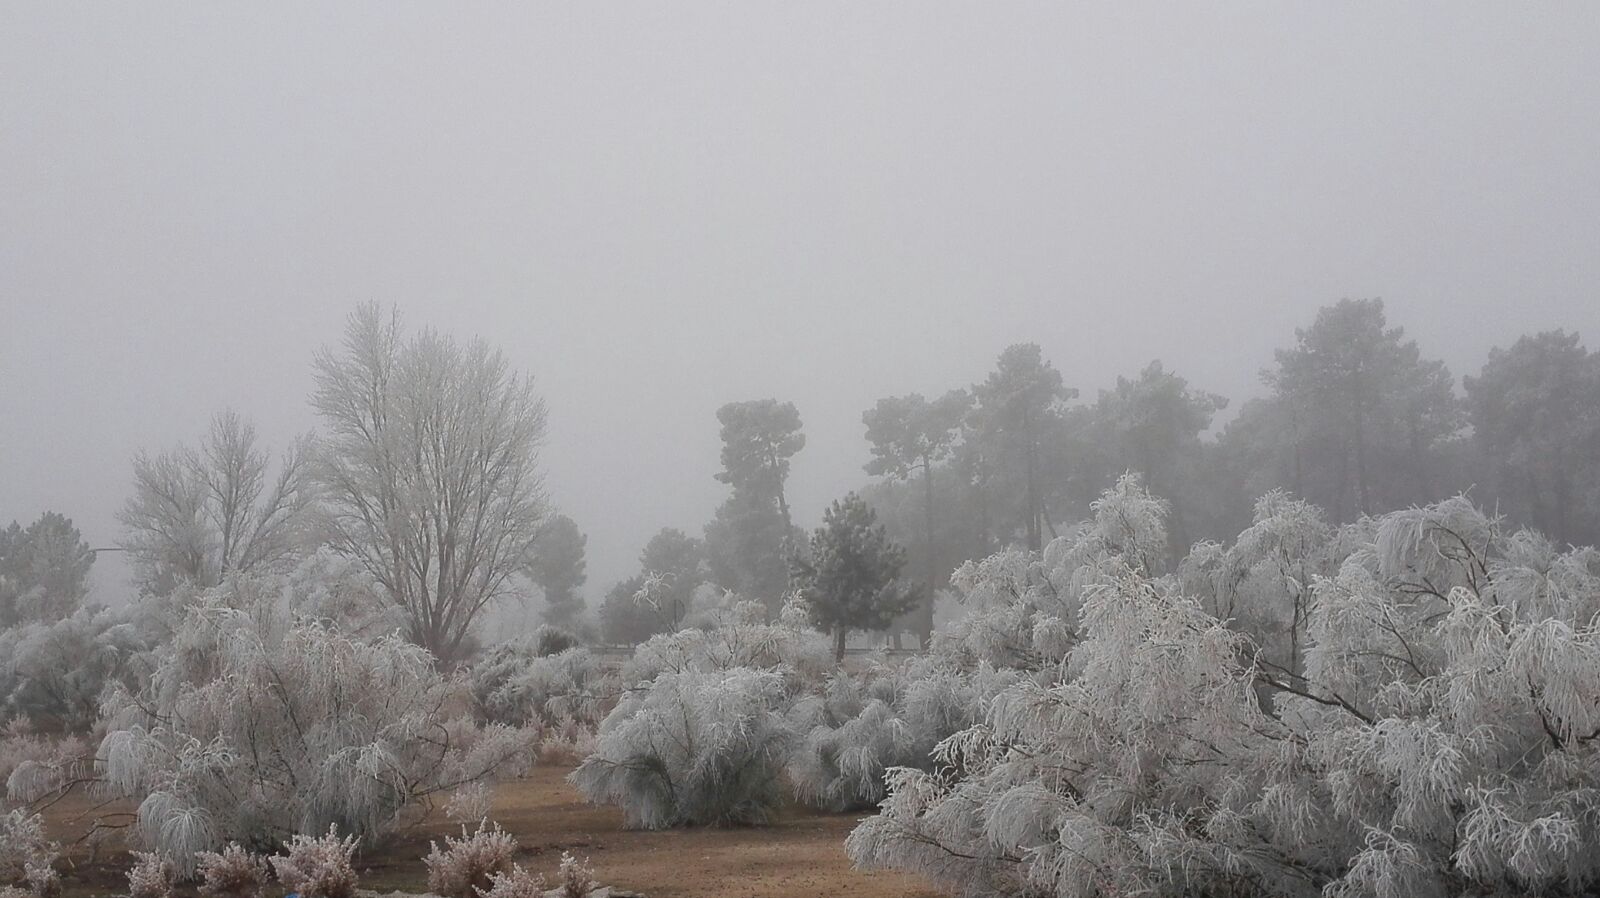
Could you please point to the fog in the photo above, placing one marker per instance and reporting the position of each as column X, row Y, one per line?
column 658, row 209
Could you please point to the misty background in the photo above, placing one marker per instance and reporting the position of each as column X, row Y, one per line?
column 659, row 209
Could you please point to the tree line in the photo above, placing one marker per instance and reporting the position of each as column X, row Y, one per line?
column 1356, row 420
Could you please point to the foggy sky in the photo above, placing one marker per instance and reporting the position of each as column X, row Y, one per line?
column 659, row 208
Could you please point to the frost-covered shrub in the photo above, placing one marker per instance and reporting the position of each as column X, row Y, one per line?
column 470, row 803
column 576, row 877
column 567, row 741
column 861, row 725
column 318, row 866
column 742, row 640
column 150, row 876
column 33, row 765
column 258, row 725
column 42, row 878
column 56, row 671
column 231, row 873
column 519, row 684
column 515, row 883
column 692, row 748
column 1438, row 739
column 463, row 867
column 23, row 844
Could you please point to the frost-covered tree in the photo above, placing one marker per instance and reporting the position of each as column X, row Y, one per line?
column 259, row 723
column 430, row 471
column 200, row 513
column 558, row 569
column 1262, row 583
column 851, row 578
column 44, row 571
column 1438, row 741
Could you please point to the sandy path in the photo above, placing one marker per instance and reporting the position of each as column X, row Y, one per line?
column 801, row 855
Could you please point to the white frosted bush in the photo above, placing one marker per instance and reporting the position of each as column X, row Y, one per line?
column 576, row 877
column 692, row 748
column 1437, row 735
column 318, row 866
column 470, row 803
column 150, row 876
column 463, row 867
column 862, row 725
column 42, row 878
column 517, row 686
column 231, row 873
column 514, row 883
column 258, row 725
column 799, row 652
column 22, row 844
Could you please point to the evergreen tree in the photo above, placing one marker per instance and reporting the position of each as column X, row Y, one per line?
column 558, row 568
column 851, row 579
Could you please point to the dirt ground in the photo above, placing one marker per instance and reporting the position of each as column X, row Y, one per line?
column 801, row 855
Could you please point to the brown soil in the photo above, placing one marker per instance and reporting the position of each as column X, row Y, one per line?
column 800, row 855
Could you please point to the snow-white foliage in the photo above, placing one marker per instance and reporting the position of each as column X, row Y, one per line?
column 150, row 876
column 463, row 867
column 470, row 803
column 518, row 684
column 57, row 671
column 44, row 881
column 1023, row 610
column 576, row 877
column 233, row 872
column 860, row 725
column 318, row 866
column 515, row 883
column 1439, row 739
column 741, row 640
column 258, row 724
column 32, row 765
column 1262, row 583
column 694, row 747
column 23, row 845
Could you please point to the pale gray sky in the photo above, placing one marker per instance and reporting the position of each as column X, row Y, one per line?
column 657, row 208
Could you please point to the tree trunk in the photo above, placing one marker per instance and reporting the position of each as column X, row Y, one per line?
column 839, row 635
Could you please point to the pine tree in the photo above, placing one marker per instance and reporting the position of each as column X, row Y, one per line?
column 851, row 581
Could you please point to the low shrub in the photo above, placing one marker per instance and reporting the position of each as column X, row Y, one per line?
column 318, row 866
column 464, row 867
column 692, row 748
column 231, row 873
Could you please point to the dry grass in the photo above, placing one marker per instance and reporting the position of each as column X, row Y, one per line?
column 800, row 854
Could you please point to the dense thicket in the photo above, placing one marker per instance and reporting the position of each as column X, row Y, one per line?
column 1401, row 706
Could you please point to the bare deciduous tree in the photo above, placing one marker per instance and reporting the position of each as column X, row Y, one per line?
column 197, row 515
column 430, row 470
